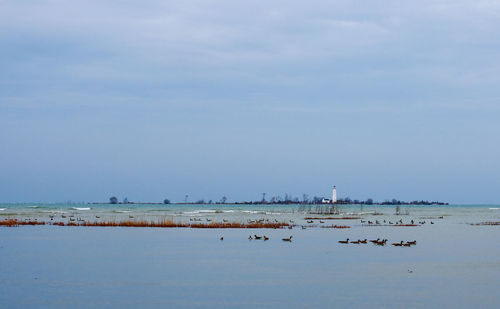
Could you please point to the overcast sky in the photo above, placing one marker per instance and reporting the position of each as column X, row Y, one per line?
column 156, row 99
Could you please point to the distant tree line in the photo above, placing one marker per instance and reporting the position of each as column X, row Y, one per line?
column 289, row 199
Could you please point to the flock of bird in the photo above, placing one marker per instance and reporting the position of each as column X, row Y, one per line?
column 400, row 222
column 71, row 218
column 376, row 222
column 379, row 242
column 267, row 238
column 264, row 237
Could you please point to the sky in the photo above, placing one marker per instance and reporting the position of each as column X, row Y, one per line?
column 161, row 99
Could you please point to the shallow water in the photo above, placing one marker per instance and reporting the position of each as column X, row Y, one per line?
column 238, row 213
column 453, row 264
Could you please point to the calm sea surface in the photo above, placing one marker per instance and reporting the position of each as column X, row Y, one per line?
column 454, row 264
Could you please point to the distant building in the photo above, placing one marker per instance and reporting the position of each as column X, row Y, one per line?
column 334, row 197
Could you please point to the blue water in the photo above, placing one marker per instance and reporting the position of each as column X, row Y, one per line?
column 454, row 264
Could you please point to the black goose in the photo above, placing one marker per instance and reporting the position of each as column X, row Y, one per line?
column 400, row 244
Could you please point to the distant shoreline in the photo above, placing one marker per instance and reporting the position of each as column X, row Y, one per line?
column 399, row 203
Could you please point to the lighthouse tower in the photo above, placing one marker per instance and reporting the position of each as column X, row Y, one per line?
column 334, row 195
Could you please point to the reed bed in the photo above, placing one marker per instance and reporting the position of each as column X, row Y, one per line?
column 172, row 224
column 332, row 218
column 16, row 222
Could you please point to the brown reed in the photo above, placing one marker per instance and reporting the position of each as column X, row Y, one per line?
column 171, row 224
column 16, row 222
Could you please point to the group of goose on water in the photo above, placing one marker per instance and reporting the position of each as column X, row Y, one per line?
column 71, row 218
column 400, row 222
column 379, row 242
column 264, row 237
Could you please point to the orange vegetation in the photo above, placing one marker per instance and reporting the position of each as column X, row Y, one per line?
column 169, row 223
column 15, row 222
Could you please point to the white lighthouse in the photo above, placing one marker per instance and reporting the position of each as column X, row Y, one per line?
column 334, row 195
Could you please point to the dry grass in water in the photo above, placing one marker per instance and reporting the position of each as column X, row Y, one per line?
column 16, row 222
column 169, row 223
